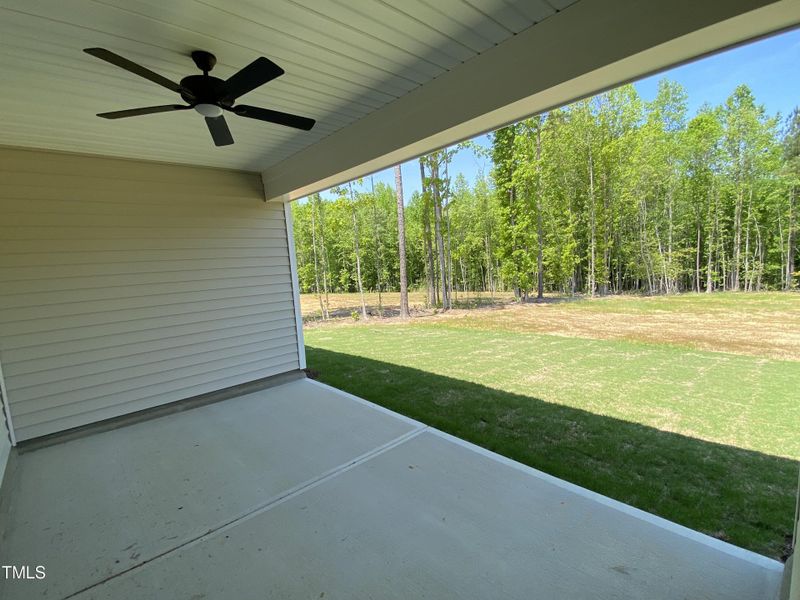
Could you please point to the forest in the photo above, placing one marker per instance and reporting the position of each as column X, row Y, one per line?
column 611, row 194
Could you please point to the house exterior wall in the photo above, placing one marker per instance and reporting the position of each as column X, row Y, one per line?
column 125, row 285
column 794, row 560
column 5, row 448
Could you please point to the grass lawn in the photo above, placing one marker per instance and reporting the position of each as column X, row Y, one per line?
column 704, row 438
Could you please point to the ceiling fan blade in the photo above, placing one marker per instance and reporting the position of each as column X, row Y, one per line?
column 219, row 131
column 273, row 116
column 132, row 67
column 257, row 73
column 149, row 110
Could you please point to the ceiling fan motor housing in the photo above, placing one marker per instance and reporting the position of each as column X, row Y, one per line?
column 205, row 89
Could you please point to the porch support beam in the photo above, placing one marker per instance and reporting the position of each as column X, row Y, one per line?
column 588, row 47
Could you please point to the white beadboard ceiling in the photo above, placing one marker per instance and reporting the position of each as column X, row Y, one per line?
column 343, row 60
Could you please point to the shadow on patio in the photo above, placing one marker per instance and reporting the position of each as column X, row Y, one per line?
column 740, row 496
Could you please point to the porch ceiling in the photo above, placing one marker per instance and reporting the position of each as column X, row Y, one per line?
column 386, row 80
column 303, row 491
column 343, row 61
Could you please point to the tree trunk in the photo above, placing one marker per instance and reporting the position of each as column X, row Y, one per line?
column 430, row 273
column 322, row 307
column 437, row 212
column 324, row 261
column 512, row 199
column 671, row 282
column 450, row 289
column 603, row 285
column 359, row 280
column 489, row 264
column 464, row 285
column 723, row 265
column 782, row 254
column 378, row 249
column 644, row 245
column 539, row 226
column 710, row 241
column 760, row 256
column 790, row 241
column 697, row 260
column 737, row 242
column 358, row 266
column 593, row 228
column 401, row 241
column 748, row 268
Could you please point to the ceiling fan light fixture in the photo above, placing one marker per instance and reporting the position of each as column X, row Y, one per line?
column 209, row 110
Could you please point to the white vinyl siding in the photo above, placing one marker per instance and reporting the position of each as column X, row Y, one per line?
column 5, row 443
column 125, row 285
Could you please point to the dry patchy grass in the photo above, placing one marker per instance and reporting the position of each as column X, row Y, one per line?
column 762, row 324
column 767, row 325
column 342, row 305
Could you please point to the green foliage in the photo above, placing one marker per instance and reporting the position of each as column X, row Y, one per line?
column 621, row 194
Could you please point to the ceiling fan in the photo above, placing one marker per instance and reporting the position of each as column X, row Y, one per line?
column 209, row 95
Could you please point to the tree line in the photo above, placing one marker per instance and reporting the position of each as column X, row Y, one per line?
column 610, row 194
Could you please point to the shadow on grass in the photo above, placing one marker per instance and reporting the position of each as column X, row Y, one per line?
column 741, row 496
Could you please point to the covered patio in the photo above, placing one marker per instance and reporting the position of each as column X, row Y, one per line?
column 158, row 436
column 303, row 491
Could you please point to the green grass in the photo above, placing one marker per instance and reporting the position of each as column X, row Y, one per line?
column 706, row 439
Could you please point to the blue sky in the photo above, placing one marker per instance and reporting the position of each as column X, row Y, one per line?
column 769, row 67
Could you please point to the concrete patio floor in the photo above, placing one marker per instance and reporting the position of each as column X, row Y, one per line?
column 302, row 491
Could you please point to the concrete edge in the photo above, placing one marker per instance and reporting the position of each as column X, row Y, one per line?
column 156, row 412
column 637, row 513
column 681, row 530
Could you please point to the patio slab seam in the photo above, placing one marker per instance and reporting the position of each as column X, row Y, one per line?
column 260, row 508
